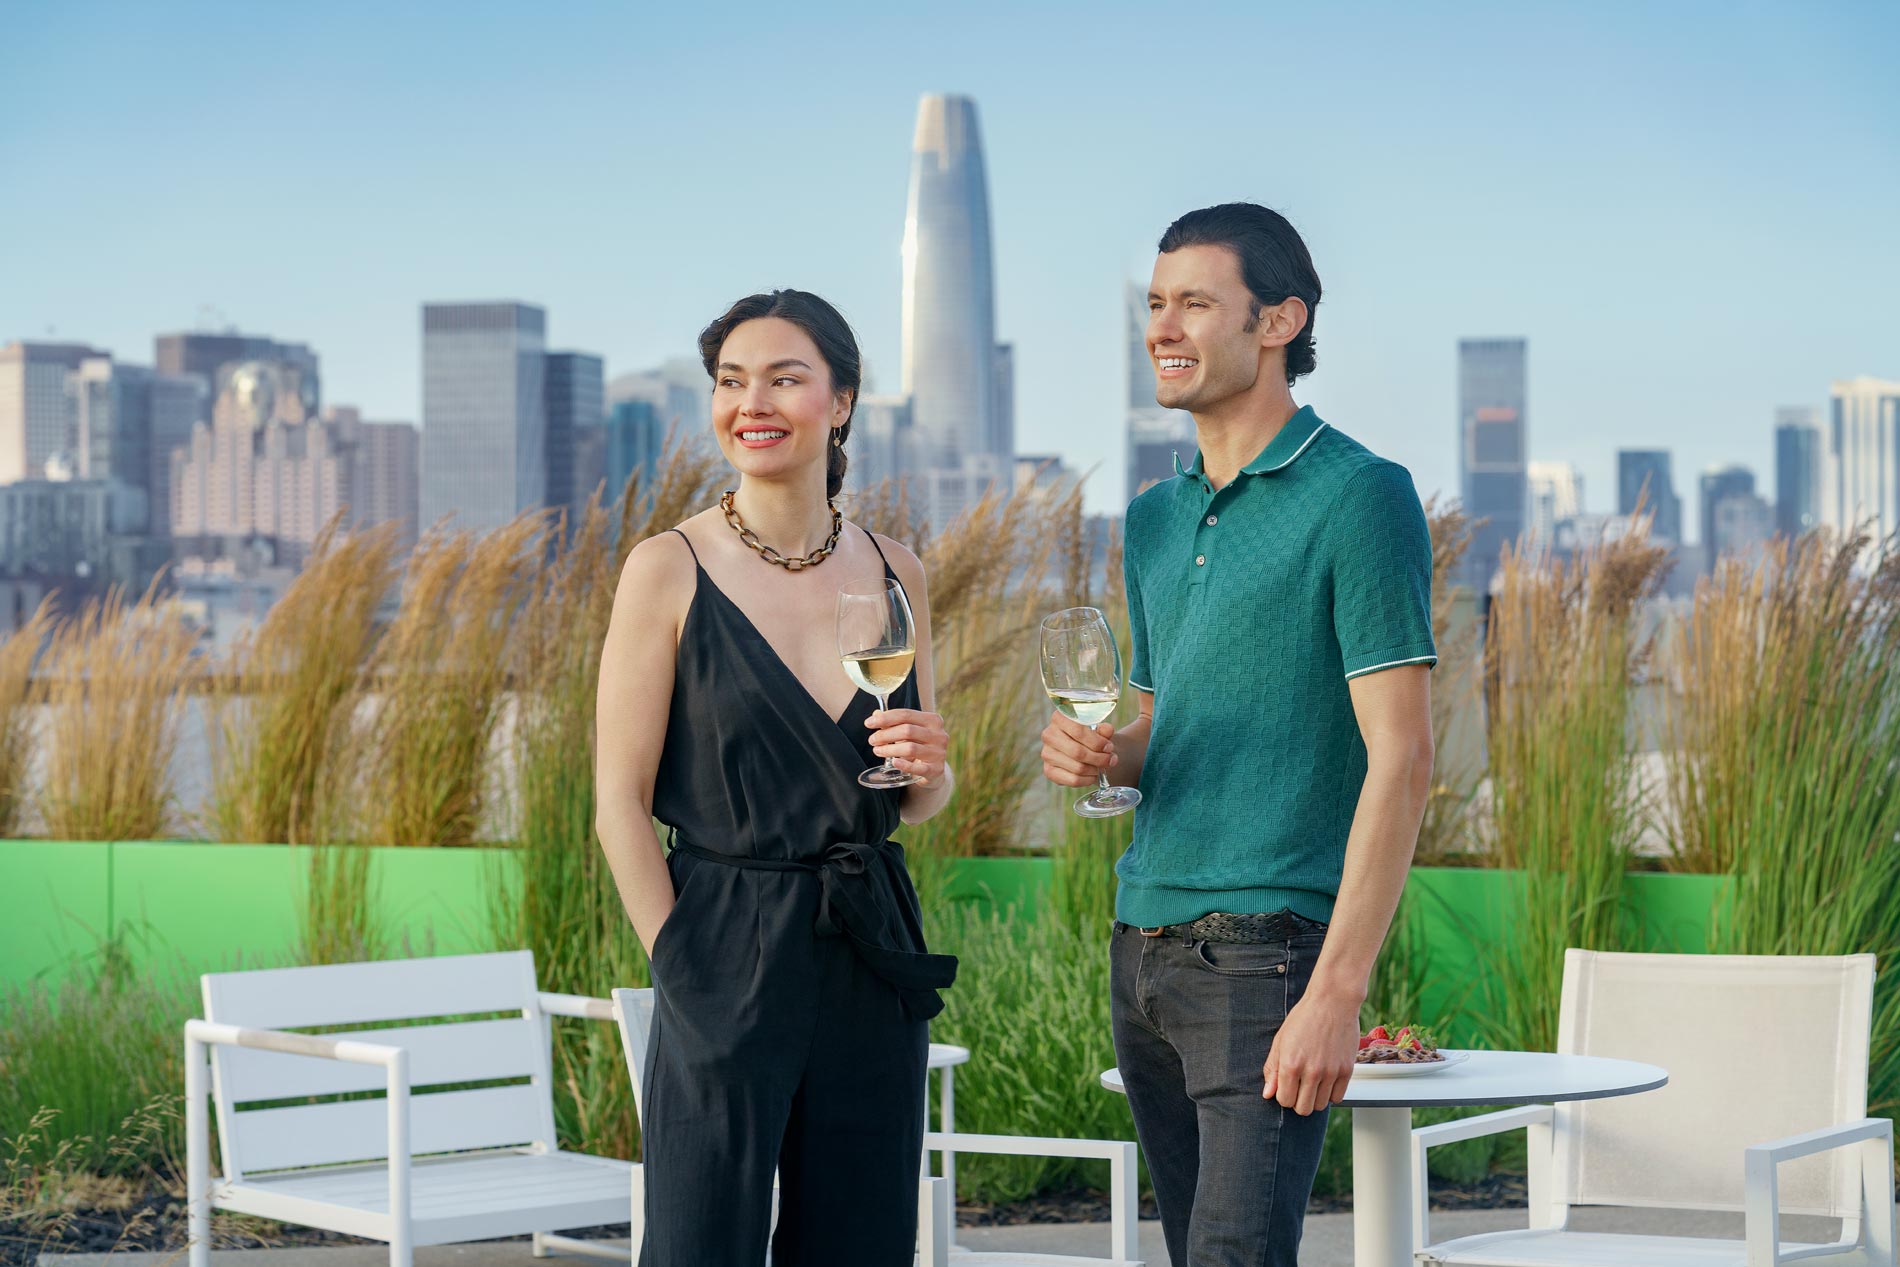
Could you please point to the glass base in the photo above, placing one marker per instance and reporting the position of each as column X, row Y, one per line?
column 1108, row 802
column 888, row 776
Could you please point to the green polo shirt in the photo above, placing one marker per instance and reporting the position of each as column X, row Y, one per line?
column 1251, row 608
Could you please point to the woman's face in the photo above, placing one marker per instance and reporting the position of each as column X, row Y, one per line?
column 773, row 406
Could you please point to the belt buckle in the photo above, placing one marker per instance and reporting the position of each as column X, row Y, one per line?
column 1159, row 930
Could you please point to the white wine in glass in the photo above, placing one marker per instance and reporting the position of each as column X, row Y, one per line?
column 877, row 645
column 1082, row 672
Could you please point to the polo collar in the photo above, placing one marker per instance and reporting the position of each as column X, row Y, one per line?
column 1293, row 439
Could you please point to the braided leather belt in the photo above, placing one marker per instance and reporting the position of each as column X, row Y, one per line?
column 1221, row 926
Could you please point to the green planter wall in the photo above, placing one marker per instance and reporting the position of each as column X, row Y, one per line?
column 198, row 907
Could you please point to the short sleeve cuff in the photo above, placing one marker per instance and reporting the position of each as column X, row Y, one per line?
column 1391, row 658
column 1146, row 690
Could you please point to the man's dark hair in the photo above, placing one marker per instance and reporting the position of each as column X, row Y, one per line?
column 827, row 328
column 1273, row 262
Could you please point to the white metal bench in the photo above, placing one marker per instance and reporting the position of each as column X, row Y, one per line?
column 1765, row 1113
column 936, row 1199
column 410, row 1169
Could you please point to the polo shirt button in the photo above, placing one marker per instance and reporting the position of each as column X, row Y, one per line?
column 1212, row 520
column 1200, row 560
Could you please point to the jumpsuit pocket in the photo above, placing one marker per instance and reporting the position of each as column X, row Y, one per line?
column 666, row 936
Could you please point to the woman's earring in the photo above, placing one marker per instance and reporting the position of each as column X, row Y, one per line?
column 837, row 437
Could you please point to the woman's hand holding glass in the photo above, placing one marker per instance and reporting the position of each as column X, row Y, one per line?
column 914, row 740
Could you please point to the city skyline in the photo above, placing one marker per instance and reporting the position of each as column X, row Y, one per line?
column 1623, row 233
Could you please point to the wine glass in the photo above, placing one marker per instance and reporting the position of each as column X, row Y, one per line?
column 1082, row 671
column 877, row 643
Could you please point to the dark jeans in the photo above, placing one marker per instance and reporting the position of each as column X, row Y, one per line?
column 1193, row 1022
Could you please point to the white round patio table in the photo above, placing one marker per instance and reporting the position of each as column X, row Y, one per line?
column 1382, row 1125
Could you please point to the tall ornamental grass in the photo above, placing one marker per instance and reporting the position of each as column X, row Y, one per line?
column 1562, row 658
column 95, row 1062
column 1444, row 830
column 1031, row 1004
column 560, row 901
column 17, row 697
column 436, row 688
column 993, row 574
column 281, row 710
column 113, row 680
column 1784, row 761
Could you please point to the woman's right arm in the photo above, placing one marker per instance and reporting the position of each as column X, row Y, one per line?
column 635, row 692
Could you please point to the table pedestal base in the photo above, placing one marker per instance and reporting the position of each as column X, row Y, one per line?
column 1381, row 1187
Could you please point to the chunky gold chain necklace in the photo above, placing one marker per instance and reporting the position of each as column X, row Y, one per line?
column 770, row 555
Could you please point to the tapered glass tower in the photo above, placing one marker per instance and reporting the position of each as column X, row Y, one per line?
column 949, row 296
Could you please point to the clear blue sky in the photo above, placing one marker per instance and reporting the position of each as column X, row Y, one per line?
column 1690, row 209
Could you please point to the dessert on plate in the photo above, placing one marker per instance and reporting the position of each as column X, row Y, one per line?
column 1411, row 1045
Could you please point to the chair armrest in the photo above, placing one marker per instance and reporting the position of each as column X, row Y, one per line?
column 1824, row 1140
column 1871, row 1230
column 1536, row 1118
column 1023, row 1145
column 579, row 1006
column 395, row 1062
column 1124, row 1199
column 348, row 1050
column 1424, row 1137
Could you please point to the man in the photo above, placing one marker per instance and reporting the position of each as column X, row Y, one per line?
column 1279, row 597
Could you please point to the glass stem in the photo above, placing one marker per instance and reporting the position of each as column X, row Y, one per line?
column 883, row 706
column 1101, row 784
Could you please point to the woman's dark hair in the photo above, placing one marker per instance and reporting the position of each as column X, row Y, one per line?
column 827, row 328
column 1273, row 262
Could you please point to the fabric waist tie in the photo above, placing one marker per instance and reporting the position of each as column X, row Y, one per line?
column 859, row 900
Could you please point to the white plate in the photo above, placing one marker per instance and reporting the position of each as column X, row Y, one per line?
column 1412, row 1071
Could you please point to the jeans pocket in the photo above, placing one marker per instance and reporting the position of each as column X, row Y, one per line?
column 1242, row 959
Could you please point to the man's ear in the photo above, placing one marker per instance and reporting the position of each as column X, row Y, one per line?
column 1281, row 323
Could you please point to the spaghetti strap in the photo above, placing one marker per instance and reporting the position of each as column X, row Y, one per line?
column 879, row 549
column 689, row 546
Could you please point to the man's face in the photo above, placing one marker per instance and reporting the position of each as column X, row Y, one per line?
column 1199, row 311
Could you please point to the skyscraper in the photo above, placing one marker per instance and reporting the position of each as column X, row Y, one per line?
column 635, row 438
column 265, row 467
column 112, row 421
column 576, row 393
column 197, row 352
column 949, row 309
column 1718, row 483
column 1643, row 477
column 1491, row 406
column 1797, row 470
column 1554, row 492
column 1003, row 403
column 1860, row 481
column 484, row 412
column 1154, row 434
column 36, row 413
column 1742, row 525
column 880, row 441
column 383, row 461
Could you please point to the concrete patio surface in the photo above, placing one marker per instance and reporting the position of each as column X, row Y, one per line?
column 1328, row 1241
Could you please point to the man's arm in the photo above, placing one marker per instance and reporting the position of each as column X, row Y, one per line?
column 1312, row 1056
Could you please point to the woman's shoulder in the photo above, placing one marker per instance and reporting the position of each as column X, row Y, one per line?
column 662, row 566
column 903, row 560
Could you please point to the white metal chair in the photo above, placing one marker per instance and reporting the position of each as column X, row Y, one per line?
column 1765, row 1113
column 936, row 1202
column 428, row 1169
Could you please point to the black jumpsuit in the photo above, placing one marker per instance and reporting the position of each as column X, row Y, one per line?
column 793, row 991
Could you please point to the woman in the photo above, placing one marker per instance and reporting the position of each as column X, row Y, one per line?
column 792, row 984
